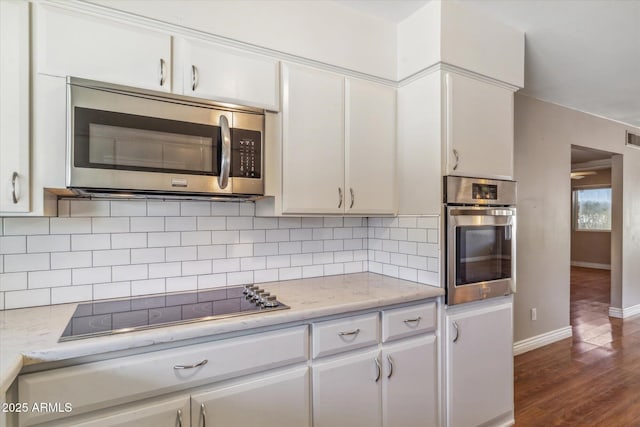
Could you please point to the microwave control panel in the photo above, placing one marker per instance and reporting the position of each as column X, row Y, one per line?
column 246, row 154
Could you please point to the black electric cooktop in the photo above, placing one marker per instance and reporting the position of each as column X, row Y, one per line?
column 126, row 315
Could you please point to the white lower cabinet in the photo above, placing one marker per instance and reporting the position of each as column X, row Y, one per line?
column 480, row 365
column 279, row 400
column 346, row 390
column 409, row 386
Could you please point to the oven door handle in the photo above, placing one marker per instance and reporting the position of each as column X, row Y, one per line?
column 482, row 212
column 225, row 161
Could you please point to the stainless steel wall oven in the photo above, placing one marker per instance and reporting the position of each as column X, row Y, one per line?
column 480, row 243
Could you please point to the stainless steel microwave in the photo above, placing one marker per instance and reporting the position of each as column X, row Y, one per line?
column 123, row 140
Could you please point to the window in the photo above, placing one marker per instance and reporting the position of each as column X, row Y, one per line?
column 592, row 209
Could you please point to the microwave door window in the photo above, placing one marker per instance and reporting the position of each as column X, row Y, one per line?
column 108, row 140
column 483, row 253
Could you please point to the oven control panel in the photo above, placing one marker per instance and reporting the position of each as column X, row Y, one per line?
column 484, row 191
column 246, row 154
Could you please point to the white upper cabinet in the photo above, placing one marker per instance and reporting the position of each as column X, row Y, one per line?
column 229, row 75
column 14, row 107
column 478, row 128
column 370, row 167
column 70, row 43
column 312, row 141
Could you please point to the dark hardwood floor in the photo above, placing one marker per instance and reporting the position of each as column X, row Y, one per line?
column 591, row 379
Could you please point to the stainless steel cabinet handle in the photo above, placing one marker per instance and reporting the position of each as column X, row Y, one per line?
column 354, row 332
column 203, row 415
column 417, row 319
column 339, row 197
column 14, row 178
column 390, row 360
column 179, row 417
column 455, row 154
column 202, row 363
column 353, row 198
column 163, row 75
column 379, row 369
column 457, row 328
column 195, row 77
column 225, row 163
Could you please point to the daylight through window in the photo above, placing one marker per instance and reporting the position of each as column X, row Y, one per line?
column 592, row 209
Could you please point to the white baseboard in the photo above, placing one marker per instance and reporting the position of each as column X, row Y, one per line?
column 623, row 313
column 591, row 265
column 541, row 340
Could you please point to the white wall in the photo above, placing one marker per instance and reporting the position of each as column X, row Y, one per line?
column 323, row 31
column 544, row 134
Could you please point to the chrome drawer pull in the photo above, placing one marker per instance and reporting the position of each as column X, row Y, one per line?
column 457, row 328
column 379, row 369
column 14, row 177
column 417, row 319
column 179, row 417
column 162, row 72
column 354, row 332
column 390, row 360
column 203, row 414
column 197, row 365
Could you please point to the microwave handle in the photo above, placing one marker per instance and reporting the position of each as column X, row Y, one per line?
column 225, row 161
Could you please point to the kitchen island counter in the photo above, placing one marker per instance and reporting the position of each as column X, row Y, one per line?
column 30, row 336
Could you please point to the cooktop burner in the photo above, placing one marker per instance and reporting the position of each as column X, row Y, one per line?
column 126, row 315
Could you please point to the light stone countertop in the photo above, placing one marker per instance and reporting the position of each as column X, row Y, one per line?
column 30, row 336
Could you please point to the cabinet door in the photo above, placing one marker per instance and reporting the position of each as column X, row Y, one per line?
column 370, row 148
column 480, row 365
column 312, row 141
column 172, row 412
column 346, row 391
column 280, row 400
column 478, row 129
column 410, row 387
column 73, row 44
column 14, row 106
column 230, row 75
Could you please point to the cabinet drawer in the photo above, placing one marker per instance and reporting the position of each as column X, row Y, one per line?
column 108, row 383
column 336, row 336
column 404, row 322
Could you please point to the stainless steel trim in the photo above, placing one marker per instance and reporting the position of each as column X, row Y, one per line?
column 197, row 365
column 458, row 190
column 354, row 332
column 225, row 162
column 457, row 328
column 179, row 417
column 414, row 320
column 162, row 72
column 194, row 78
column 353, row 199
column 481, row 212
column 339, row 197
column 455, row 154
column 379, row 368
column 390, row 360
column 14, row 177
column 203, row 415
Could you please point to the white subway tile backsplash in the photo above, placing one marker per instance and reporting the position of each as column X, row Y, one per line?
column 312, row 271
column 301, row 234
column 195, row 208
column 180, row 223
column 225, row 237
column 344, row 256
column 428, row 222
column 49, row 279
column 265, row 223
column 13, row 281
column 253, row 263
column 323, row 258
column 417, row 235
column 390, row 245
column 84, row 276
column 111, row 290
column 310, row 246
column 301, row 259
column 408, row 273
column 240, row 250
column 90, row 242
column 313, row 222
column 290, row 273
column 161, row 240
column 418, row 262
column 428, row 278
column 322, row 233
column 27, row 298
column 212, row 281
column 410, row 248
column 262, row 276
column 428, row 249
column 89, row 208
column 194, row 238
column 433, row 264
column 333, row 245
column 278, row 261
column 165, row 269
column 353, row 244
column 111, row 257
column 146, row 223
column 407, row 221
column 252, row 236
column 247, row 209
column 239, row 278
column 211, row 223
column 353, row 267
column 129, row 272
column 398, row 234
column 180, row 253
column 190, row 268
column 432, row 236
column 351, row 222
column 398, row 259
column 70, row 225
column 25, row 226
column 360, row 233
column 239, row 223
column 289, row 222
column 128, row 240
column 146, row 287
column 212, row 252
column 158, row 208
column 26, row 262
column 226, row 265
column 277, row 235
column 289, row 247
column 360, row 255
column 51, row 243
column 148, row 255
column 390, row 270
column 333, row 221
column 342, row 233
column 13, row 245
column 180, row 284
column 375, row 267
column 128, row 208
column 333, row 269
column 225, row 209
column 71, row 294
column 110, row 225
column 262, row 249
column 381, row 256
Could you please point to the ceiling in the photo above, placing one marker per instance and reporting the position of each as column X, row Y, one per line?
column 582, row 54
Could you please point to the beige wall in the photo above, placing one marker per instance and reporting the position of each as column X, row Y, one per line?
column 544, row 134
column 591, row 247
